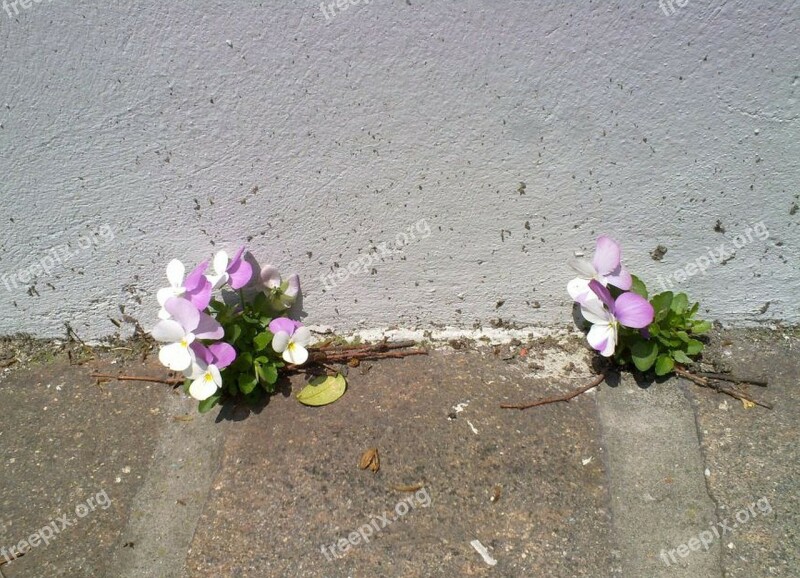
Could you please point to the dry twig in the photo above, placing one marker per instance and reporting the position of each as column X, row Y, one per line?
column 708, row 382
column 168, row 380
column 556, row 398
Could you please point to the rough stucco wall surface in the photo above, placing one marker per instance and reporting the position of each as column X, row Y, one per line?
column 181, row 127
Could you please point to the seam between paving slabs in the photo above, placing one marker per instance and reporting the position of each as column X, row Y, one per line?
column 693, row 402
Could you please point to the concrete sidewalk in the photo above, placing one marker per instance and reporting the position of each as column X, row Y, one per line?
column 626, row 481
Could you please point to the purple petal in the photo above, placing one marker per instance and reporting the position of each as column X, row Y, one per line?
column 603, row 293
column 208, row 328
column 224, row 354
column 240, row 271
column 283, row 324
column 201, row 295
column 293, row 285
column 202, row 352
column 183, row 312
column 633, row 310
column 194, row 280
column 606, row 255
column 239, row 253
column 620, row 278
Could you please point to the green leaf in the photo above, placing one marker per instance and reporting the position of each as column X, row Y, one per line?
column 679, row 303
column 322, row 390
column 681, row 357
column 261, row 340
column 234, row 334
column 644, row 354
column 638, row 286
column 243, row 363
column 694, row 347
column 247, row 382
column 268, row 374
column 693, row 309
column 664, row 365
column 206, row 405
column 662, row 301
column 261, row 303
column 700, row 327
column 683, row 336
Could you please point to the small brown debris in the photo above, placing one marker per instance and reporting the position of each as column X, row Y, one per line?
column 370, row 459
column 355, row 362
column 409, row 488
column 496, row 493
column 658, row 253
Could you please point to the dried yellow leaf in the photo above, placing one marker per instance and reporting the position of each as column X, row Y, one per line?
column 370, row 459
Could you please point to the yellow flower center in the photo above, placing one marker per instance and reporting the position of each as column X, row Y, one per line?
column 208, row 376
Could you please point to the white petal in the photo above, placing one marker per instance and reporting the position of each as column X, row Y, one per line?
column 583, row 266
column 203, row 387
column 168, row 331
column 164, row 314
column 578, row 289
column 175, row 356
column 221, row 262
column 280, row 341
column 169, row 293
column 603, row 338
column 196, row 369
column 175, row 273
column 594, row 312
column 296, row 354
column 302, row 336
column 215, row 374
column 217, row 281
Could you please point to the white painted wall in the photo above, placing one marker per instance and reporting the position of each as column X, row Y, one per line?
column 158, row 119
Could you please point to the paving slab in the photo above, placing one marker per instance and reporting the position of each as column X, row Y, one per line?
column 659, row 496
column 753, row 456
column 73, row 455
column 289, row 498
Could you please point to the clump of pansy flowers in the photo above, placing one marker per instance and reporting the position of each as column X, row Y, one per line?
column 656, row 333
column 228, row 330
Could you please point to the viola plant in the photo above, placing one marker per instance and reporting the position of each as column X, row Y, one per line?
column 659, row 333
column 234, row 344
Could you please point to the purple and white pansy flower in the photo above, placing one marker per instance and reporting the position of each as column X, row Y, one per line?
column 196, row 288
column 237, row 271
column 186, row 324
column 290, row 340
column 606, row 314
column 205, row 369
column 605, row 267
column 269, row 278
